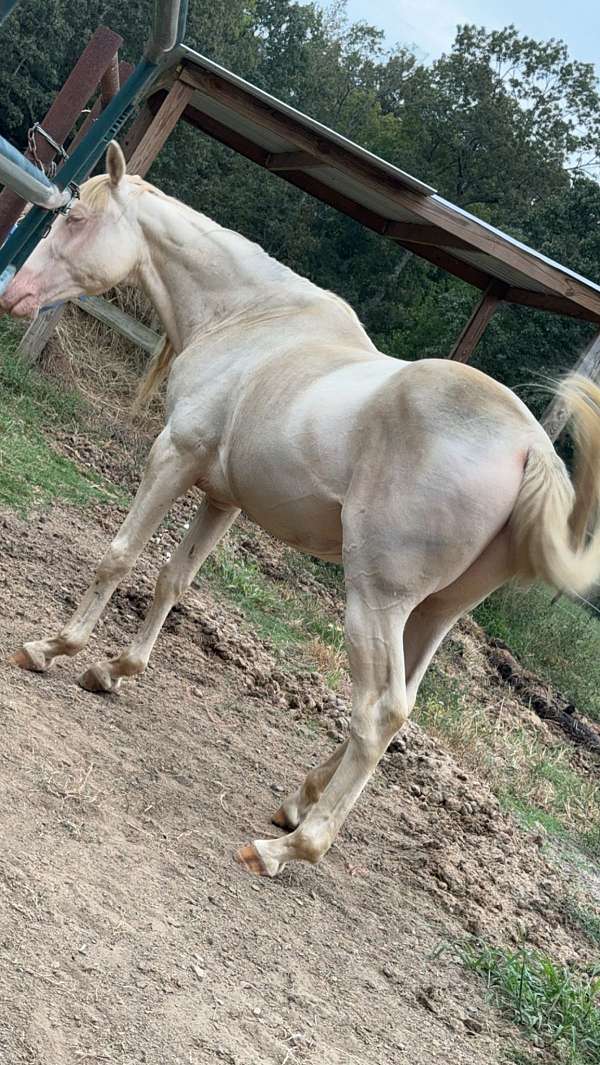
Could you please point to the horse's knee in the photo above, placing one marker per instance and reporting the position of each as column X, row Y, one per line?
column 171, row 584
column 115, row 565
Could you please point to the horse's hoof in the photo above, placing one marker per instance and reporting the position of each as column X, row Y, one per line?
column 96, row 679
column 283, row 820
column 24, row 660
column 249, row 858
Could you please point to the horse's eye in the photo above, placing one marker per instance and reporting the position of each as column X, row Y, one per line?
column 72, row 219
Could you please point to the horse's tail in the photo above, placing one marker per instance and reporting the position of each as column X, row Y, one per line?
column 555, row 523
column 156, row 372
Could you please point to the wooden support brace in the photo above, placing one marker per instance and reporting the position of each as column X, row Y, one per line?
column 556, row 414
column 137, row 130
column 123, row 323
column 418, row 233
column 476, row 326
column 160, row 128
column 37, row 336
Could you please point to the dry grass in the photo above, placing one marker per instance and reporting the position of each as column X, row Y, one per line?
column 329, row 660
column 103, row 366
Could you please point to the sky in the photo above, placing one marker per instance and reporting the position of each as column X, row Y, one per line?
column 430, row 24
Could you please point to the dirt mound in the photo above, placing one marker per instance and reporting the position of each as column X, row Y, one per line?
column 542, row 698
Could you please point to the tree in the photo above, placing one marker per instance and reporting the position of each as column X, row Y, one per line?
column 503, row 125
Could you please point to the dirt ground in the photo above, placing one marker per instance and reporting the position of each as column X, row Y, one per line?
column 129, row 935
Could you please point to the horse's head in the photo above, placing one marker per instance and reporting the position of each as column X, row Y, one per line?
column 96, row 245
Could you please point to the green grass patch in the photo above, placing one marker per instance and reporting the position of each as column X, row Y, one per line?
column 584, row 919
column 560, row 642
column 289, row 618
column 31, row 472
column 540, row 785
column 556, row 1005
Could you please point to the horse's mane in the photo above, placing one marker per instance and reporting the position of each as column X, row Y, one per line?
column 95, row 192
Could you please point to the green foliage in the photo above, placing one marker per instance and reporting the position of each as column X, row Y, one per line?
column 506, row 126
column 556, row 1005
column 560, row 641
column 584, row 919
column 286, row 616
column 31, row 473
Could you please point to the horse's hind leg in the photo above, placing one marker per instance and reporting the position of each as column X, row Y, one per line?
column 434, row 617
column 209, row 525
column 424, row 631
column 374, row 630
column 295, row 808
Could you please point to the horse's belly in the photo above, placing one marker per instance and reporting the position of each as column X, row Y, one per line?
column 307, row 523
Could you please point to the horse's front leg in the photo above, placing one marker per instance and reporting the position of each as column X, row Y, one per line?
column 168, row 474
column 209, row 525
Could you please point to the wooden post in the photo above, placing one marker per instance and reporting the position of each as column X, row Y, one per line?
column 124, row 71
column 556, row 414
column 37, row 336
column 476, row 326
column 137, row 130
column 162, row 125
column 110, row 82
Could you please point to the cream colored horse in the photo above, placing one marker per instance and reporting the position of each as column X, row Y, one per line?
column 433, row 483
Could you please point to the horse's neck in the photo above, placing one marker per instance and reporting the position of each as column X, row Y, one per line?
column 201, row 276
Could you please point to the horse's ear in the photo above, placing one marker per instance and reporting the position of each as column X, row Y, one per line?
column 116, row 166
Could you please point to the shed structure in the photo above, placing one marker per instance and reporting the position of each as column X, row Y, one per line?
column 370, row 190
column 375, row 193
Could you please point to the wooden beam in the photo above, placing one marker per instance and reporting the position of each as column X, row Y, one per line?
column 546, row 301
column 123, row 323
column 159, row 129
column 476, row 326
column 138, row 128
column 444, row 260
column 258, row 111
column 472, row 275
column 556, row 414
column 432, row 210
column 417, row 233
column 206, row 124
column 291, row 161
